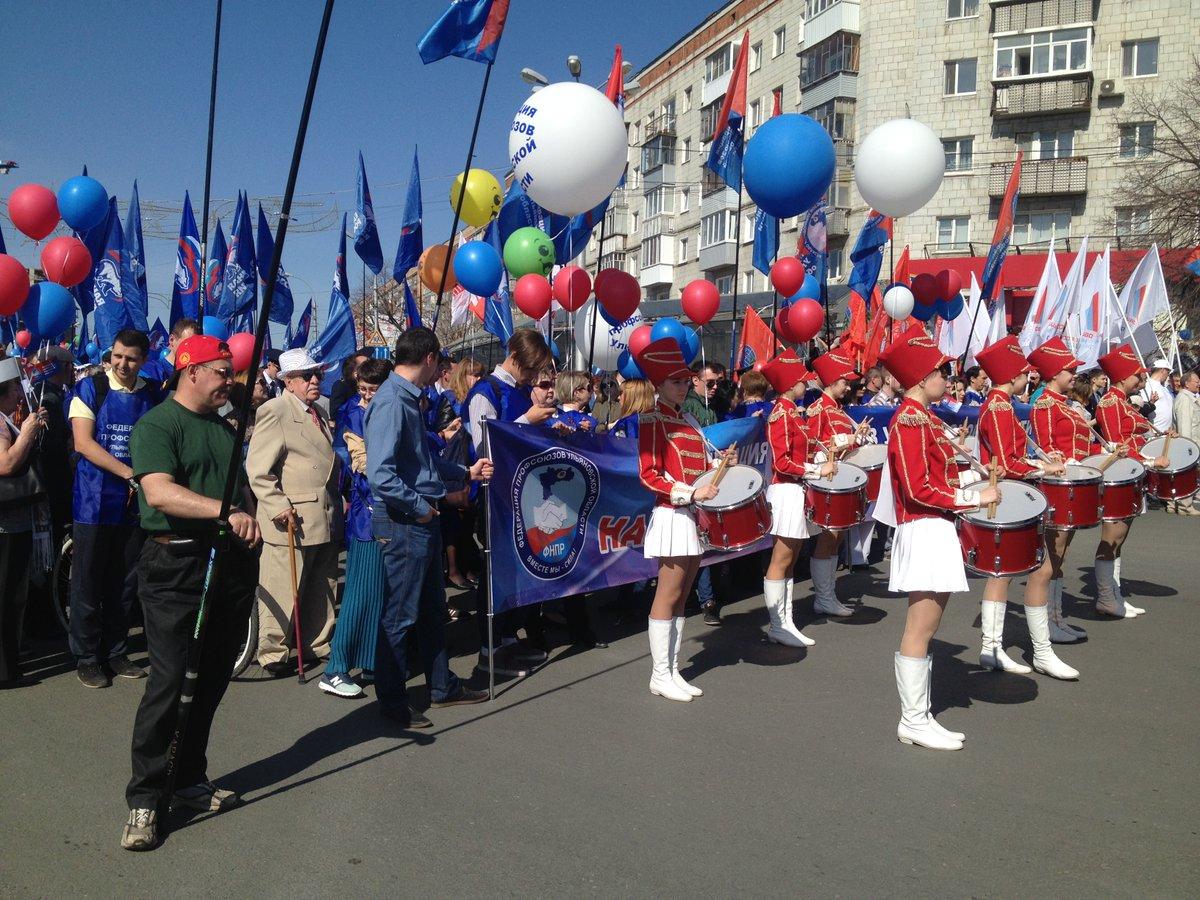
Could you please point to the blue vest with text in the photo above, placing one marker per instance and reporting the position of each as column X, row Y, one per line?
column 511, row 402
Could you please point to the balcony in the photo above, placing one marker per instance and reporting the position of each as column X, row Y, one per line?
column 1042, row 177
column 663, row 223
column 1009, row 16
column 837, row 223
column 843, row 149
column 659, row 273
column 710, row 182
column 661, row 124
column 1032, row 98
column 616, row 221
column 722, row 255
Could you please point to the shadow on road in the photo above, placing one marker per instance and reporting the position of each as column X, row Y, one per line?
column 957, row 683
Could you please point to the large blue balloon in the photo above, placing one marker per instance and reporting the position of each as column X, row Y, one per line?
column 478, row 267
column 691, row 345
column 215, row 327
column 949, row 309
column 671, row 328
column 49, row 310
column 923, row 313
column 554, row 351
column 628, row 366
column 809, row 290
column 82, row 202
column 788, row 165
column 91, row 352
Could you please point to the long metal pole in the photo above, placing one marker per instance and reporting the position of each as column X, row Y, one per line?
column 462, row 194
column 212, row 113
column 487, row 552
column 196, row 645
column 596, row 303
column 737, row 252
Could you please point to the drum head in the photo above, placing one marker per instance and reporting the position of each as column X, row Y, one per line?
column 868, row 456
column 1019, row 502
column 1075, row 473
column 1122, row 471
column 741, row 483
column 847, row 478
column 1182, row 455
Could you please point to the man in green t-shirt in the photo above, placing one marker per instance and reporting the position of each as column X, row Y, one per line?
column 181, row 451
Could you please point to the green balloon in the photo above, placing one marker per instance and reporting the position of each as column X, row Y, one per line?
column 529, row 250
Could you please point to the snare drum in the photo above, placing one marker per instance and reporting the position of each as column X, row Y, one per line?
column 1180, row 478
column 870, row 458
column 738, row 516
column 1010, row 543
column 1074, row 498
column 839, row 501
column 1123, row 487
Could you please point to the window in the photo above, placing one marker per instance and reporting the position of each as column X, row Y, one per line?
column 657, row 201
column 835, row 54
column 818, row 6
column 687, row 99
column 1047, row 144
column 840, row 194
column 1133, row 221
column 779, row 41
column 1041, row 227
column 725, row 284
column 756, row 56
column 836, row 256
column 686, row 154
column 651, row 251
column 755, row 116
column 615, row 260
column 667, row 112
column 959, row 152
column 962, row 9
column 718, row 63
column 685, row 199
column 836, row 117
column 960, row 76
column 1139, row 58
column 634, row 219
column 708, row 119
column 1137, row 139
column 1043, row 53
column 748, row 227
column 683, row 249
column 953, row 231
column 658, row 151
column 716, row 228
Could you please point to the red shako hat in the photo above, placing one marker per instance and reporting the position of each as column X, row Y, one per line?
column 1053, row 357
column 662, row 360
column 1121, row 362
column 785, row 370
column 1003, row 361
column 834, row 365
column 912, row 356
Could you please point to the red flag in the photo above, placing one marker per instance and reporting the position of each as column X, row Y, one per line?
column 853, row 340
column 615, row 91
column 900, row 276
column 756, row 341
column 877, row 333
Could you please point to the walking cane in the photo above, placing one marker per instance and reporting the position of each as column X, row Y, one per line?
column 295, row 599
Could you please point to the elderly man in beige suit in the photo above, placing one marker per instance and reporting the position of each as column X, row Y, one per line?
column 295, row 476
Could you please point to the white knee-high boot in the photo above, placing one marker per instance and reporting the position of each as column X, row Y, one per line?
column 824, row 579
column 676, row 640
column 789, row 623
column 775, row 597
column 1044, row 658
column 1060, row 632
column 991, row 653
column 661, row 683
column 1057, row 586
column 1108, row 598
column 916, row 726
column 1136, row 610
column 945, row 732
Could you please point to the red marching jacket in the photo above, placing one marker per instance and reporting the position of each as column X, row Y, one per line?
column 788, row 436
column 1119, row 423
column 923, row 471
column 1058, row 426
column 1001, row 437
column 671, row 454
column 828, row 423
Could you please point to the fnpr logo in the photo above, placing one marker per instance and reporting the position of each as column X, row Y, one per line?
column 553, row 494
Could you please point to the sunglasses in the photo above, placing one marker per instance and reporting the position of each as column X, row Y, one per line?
column 711, row 382
column 544, row 385
column 307, row 375
column 225, row 372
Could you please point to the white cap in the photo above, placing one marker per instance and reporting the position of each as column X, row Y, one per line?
column 296, row 361
column 9, row 369
column 1160, row 363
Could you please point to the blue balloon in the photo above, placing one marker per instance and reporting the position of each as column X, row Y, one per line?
column 628, row 366
column 810, row 290
column 950, row 309
column 671, row 328
column 691, row 346
column 49, row 310
column 215, row 327
column 788, row 165
column 1185, row 334
column 478, row 268
column 164, row 353
column 554, row 351
column 91, row 351
column 82, row 202
column 923, row 313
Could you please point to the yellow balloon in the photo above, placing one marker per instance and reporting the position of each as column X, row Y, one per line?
column 483, row 197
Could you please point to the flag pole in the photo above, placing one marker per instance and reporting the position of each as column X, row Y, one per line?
column 596, row 303
column 737, row 248
column 212, row 112
column 233, row 468
column 462, row 194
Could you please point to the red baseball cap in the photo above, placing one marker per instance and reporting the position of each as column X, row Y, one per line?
column 1053, row 357
column 785, row 371
column 834, row 365
column 912, row 356
column 1003, row 361
column 200, row 348
column 662, row 360
column 1121, row 362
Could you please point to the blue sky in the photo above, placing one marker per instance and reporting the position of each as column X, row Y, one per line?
column 123, row 87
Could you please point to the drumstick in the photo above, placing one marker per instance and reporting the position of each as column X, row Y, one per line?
column 828, row 455
column 975, row 464
column 1112, row 458
column 723, row 466
column 992, row 479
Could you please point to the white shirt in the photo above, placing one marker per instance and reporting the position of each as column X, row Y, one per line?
column 1164, row 403
column 481, row 409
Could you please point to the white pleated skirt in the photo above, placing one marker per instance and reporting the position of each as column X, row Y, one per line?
column 927, row 556
column 789, row 518
column 672, row 532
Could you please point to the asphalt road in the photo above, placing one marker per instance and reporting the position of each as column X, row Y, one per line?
column 784, row 779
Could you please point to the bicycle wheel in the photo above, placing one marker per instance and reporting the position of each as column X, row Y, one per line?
column 250, row 647
column 60, row 584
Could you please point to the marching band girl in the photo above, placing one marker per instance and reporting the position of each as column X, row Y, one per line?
column 1003, row 443
column 789, row 443
column 921, row 483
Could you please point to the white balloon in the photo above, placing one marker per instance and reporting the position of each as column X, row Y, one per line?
column 567, row 147
column 610, row 339
column 899, row 167
column 898, row 302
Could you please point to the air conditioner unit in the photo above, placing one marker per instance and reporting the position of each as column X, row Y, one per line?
column 1111, row 87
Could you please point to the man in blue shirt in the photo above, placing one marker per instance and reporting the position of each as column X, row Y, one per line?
column 976, row 380
column 407, row 482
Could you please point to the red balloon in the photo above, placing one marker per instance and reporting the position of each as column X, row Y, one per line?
column 787, row 276
column 618, row 292
column 66, row 260
column 572, row 286
column 700, row 301
column 925, row 289
column 532, row 295
column 781, row 326
column 241, row 345
column 805, row 319
column 14, row 285
column 949, row 284
column 23, row 339
column 638, row 339
column 34, row 210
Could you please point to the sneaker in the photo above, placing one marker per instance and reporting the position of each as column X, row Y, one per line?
column 141, row 831
column 206, row 797
column 91, row 675
column 525, row 654
column 123, row 668
column 339, row 686
column 712, row 613
column 503, row 665
column 463, row 697
column 409, row 718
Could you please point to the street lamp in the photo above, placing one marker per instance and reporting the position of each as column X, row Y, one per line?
column 574, row 66
column 535, row 78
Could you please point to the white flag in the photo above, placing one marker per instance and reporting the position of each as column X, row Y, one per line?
column 1144, row 297
column 957, row 335
column 1061, row 306
column 1040, row 308
column 1088, row 326
column 999, row 328
column 460, row 304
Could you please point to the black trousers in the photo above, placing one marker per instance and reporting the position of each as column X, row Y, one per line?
column 103, row 589
column 170, row 588
column 16, row 554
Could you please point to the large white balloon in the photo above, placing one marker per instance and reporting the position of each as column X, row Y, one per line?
column 899, row 167
column 567, row 147
column 898, row 302
column 610, row 339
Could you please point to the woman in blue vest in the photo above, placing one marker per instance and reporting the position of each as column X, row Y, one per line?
column 637, row 397
column 573, row 391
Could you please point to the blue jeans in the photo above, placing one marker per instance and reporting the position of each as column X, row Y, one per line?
column 415, row 595
column 704, row 587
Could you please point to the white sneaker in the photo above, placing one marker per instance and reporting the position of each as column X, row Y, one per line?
column 339, row 686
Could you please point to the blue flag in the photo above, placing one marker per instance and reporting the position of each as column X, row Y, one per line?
column 497, row 309
column 470, row 29
column 867, row 255
column 517, row 211
column 299, row 338
column 133, row 265
column 337, row 340
column 766, row 241
column 158, row 336
column 185, row 292
column 725, row 154
column 239, row 285
column 814, row 246
column 94, row 239
column 3, row 249
column 571, row 236
column 111, row 312
column 412, row 240
column 366, row 233
column 282, row 304
column 214, row 273
column 412, row 313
